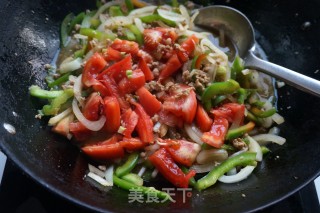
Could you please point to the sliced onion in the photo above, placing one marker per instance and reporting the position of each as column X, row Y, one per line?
column 239, row 152
column 98, row 179
column 139, row 24
column 246, row 71
column 105, row 7
column 144, row 11
column 203, row 168
column 108, row 175
column 194, row 133
column 88, row 55
column 172, row 16
column 77, row 89
column 200, row 35
column 232, row 171
column 116, row 22
column 266, row 122
column 211, row 155
column 193, row 17
column 141, row 172
column 154, row 173
column 92, row 125
column 274, row 131
column 59, row 117
column 79, row 36
column 156, row 127
column 255, row 147
column 70, row 65
column 95, row 170
column 264, row 139
column 277, row 118
column 243, row 174
column 185, row 14
column 205, row 42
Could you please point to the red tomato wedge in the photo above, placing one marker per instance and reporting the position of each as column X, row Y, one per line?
column 132, row 144
column 167, row 33
column 164, row 163
column 149, row 102
column 125, row 46
column 113, row 90
column 171, row 67
column 79, row 131
column 112, row 113
column 92, row 68
column 133, row 82
column 130, row 120
column 100, row 88
column 233, row 112
column 112, row 55
column 118, row 70
column 185, row 153
column 142, row 65
column 215, row 137
column 152, row 38
column 203, row 120
column 170, row 119
column 93, row 107
column 187, row 48
column 104, row 151
column 182, row 103
column 145, row 125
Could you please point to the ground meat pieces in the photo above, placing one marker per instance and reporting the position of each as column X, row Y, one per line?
column 196, row 78
column 238, row 143
column 154, row 86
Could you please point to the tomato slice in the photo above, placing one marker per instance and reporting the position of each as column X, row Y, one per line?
column 203, row 120
column 125, row 46
column 112, row 55
column 149, row 102
column 187, row 48
column 130, row 120
column 92, row 68
column 145, row 69
column 79, row 131
column 132, row 83
column 169, row 119
column 145, row 125
column 112, row 113
column 171, row 67
column 93, row 107
column 104, row 151
column 118, row 70
column 62, row 127
column 233, row 112
column 182, row 103
column 152, row 38
column 113, row 90
column 167, row 33
column 132, row 144
column 164, row 163
column 215, row 137
column 185, row 153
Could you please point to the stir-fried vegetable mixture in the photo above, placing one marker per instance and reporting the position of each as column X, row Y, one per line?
column 141, row 93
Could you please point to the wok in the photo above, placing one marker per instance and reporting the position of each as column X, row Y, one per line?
column 29, row 39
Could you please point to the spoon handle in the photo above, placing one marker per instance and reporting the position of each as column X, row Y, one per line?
column 291, row 77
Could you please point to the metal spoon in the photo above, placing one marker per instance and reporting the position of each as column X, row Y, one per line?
column 239, row 29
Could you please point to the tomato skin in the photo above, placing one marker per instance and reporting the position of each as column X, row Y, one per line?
column 117, row 71
column 145, row 125
column 79, row 131
column 203, row 120
column 167, row 33
column 112, row 113
column 93, row 107
column 125, row 46
column 145, row 69
column 185, row 153
column 104, row 152
column 113, row 90
column 169, row 119
column 215, row 137
column 152, row 38
column 233, row 112
column 149, row 102
column 132, row 144
column 171, row 67
column 129, row 85
column 164, row 163
column 130, row 120
column 187, row 47
column 184, row 106
column 92, row 68
column 112, row 55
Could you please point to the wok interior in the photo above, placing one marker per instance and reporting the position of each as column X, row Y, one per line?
column 31, row 39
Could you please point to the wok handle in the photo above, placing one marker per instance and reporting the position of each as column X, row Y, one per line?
column 291, row 77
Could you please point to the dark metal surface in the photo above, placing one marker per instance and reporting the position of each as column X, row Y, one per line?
column 29, row 40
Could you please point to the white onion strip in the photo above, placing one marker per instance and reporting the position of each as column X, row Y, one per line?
column 98, row 179
column 70, row 65
column 207, row 43
column 77, row 89
column 105, row 7
column 203, row 168
column 277, row 118
column 92, row 125
column 264, row 139
column 243, row 174
column 95, row 170
column 172, row 16
column 255, row 147
column 184, row 12
column 193, row 134
column 139, row 24
column 108, row 175
column 59, row 117
column 144, row 11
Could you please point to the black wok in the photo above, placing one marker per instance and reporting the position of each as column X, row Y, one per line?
column 29, row 39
